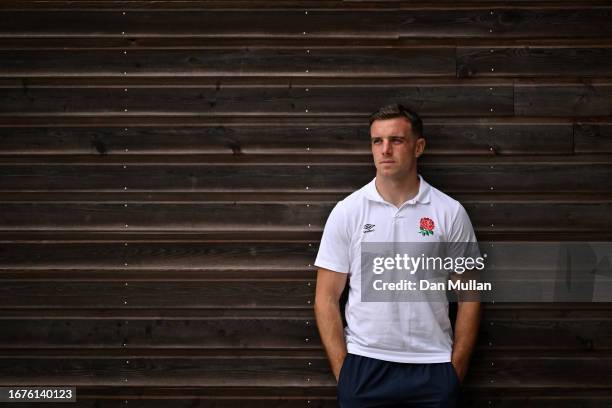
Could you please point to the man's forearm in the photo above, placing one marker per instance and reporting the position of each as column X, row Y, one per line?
column 466, row 333
column 331, row 332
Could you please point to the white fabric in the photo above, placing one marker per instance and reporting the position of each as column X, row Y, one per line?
column 406, row 332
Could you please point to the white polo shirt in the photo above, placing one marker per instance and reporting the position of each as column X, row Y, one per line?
column 405, row 332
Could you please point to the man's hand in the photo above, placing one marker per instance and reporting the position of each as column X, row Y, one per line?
column 338, row 369
column 460, row 367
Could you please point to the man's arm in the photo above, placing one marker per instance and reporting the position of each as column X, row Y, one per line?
column 330, row 286
column 466, row 332
column 466, row 326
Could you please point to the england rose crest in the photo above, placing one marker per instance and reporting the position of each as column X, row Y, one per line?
column 427, row 226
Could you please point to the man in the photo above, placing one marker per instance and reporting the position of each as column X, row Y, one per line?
column 376, row 362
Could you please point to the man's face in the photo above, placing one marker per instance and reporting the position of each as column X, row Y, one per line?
column 394, row 148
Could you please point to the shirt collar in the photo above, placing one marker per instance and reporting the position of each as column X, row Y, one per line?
column 422, row 196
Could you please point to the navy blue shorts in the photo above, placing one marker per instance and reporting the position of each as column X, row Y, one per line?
column 369, row 382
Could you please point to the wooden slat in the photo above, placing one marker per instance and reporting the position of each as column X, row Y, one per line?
column 299, row 198
column 165, row 372
column 507, row 177
column 513, row 372
column 538, row 216
column 207, row 22
column 349, row 138
column 193, row 294
column 261, row 333
column 161, row 256
column 500, row 23
column 249, row 5
column 330, row 402
column 593, row 137
column 579, row 335
column 275, row 217
column 533, row 61
column 300, row 61
column 265, row 333
column 534, row 311
column 198, row 314
column 294, row 22
column 186, row 42
column 563, row 99
column 228, row 401
column 540, row 371
column 442, row 100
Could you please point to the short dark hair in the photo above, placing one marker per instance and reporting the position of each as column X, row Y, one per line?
column 397, row 110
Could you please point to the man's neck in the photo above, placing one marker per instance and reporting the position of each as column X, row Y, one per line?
column 398, row 190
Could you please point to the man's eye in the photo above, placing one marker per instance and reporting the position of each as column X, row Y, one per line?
column 376, row 141
column 397, row 141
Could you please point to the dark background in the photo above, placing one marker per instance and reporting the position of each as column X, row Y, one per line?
column 167, row 168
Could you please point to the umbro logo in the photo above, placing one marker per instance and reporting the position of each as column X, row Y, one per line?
column 368, row 228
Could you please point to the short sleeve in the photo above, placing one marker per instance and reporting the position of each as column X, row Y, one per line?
column 461, row 229
column 335, row 244
column 461, row 236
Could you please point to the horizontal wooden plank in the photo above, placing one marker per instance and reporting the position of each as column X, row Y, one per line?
column 195, row 120
column 537, row 216
column 329, row 402
column 442, row 100
column 593, row 137
column 276, row 217
column 520, row 177
column 169, row 256
column 540, row 371
column 202, row 333
column 192, row 294
column 559, row 311
column 281, row 197
column 502, row 23
column 227, row 401
column 187, row 42
column 292, row 4
column 343, row 138
column 165, row 372
column 533, row 61
column 561, row 99
column 426, row 161
column 542, row 402
column 512, row 372
column 282, row 82
column 316, row 22
column 243, row 62
column 320, row 397
column 579, row 335
column 198, row 314
column 214, row 23
column 272, row 333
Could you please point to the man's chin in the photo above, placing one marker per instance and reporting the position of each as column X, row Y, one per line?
column 387, row 173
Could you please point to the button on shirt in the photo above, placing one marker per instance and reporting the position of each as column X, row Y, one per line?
column 405, row 332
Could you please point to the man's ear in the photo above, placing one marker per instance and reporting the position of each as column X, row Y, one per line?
column 420, row 146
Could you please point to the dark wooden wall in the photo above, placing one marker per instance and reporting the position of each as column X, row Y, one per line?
column 167, row 168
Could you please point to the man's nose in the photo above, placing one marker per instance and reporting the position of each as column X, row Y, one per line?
column 386, row 147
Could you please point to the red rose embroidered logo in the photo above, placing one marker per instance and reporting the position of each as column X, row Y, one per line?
column 427, row 226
